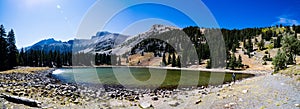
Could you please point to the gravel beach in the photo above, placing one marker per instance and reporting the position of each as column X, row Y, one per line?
column 263, row 91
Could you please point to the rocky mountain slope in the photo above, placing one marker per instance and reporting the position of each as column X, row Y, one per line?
column 129, row 43
column 102, row 42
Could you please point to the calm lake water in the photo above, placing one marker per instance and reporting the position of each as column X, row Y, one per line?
column 144, row 77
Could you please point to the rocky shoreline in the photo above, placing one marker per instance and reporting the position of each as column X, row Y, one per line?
column 51, row 93
column 42, row 88
column 38, row 86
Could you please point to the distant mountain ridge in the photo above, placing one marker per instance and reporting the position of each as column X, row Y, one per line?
column 51, row 45
column 102, row 42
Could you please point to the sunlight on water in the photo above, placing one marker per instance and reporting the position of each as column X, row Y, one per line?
column 57, row 71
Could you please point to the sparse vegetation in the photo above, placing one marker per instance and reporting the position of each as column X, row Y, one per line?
column 235, row 63
column 291, row 46
column 279, row 61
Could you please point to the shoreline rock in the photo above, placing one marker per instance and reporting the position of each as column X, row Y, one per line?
column 21, row 100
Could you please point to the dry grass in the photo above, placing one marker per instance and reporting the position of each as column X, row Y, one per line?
column 26, row 70
column 293, row 71
column 147, row 60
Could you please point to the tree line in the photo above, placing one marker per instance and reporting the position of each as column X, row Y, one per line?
column 11, row 57
column 199, row 41
column 8, row 49
column 173, row 60
column 42, row 58
column 290, row 49
column 279, row 36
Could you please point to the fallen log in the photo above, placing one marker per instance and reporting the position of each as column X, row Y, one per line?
column 21, row 100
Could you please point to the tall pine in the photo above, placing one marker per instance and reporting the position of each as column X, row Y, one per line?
column 12, row 49
column 58, row 60
column 240, row 62
column 173, row 60
column 232, row 62
column 178, row 61
column 3, row 49
column 169, row 59
column 164, row 62
column 21, row 57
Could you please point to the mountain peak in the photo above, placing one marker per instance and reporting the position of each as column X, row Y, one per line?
column 46, row 41
column 160, row 27
column 103, row 33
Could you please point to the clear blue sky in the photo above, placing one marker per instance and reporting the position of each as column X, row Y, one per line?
column 34, row 20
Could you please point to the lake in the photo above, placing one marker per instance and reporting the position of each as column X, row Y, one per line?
column 144, row 77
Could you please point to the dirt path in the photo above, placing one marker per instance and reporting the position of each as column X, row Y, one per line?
column 267, row 91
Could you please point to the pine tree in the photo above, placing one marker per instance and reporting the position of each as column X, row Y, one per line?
column 12, row 49
column 35, row 58
column 244, row 44
column 3, row 49
column 119, row 60
column 279, row 61
column 169, row 59
column 113, row 60
column 261, row 44
column 101, row 60
column 178, row 63
column 164, row 62
column 51, row 59
column 232, row 62
column 291, row 47
column 173, row 60
column 97, row 60
column 240, row 62
column 277, row 42
column 250, row 45
column 22, row 57
column 58, row 60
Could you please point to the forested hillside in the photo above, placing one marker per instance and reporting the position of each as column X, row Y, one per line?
column 169, row 48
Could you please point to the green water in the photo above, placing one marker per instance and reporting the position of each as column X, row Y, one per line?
column 145, row 77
